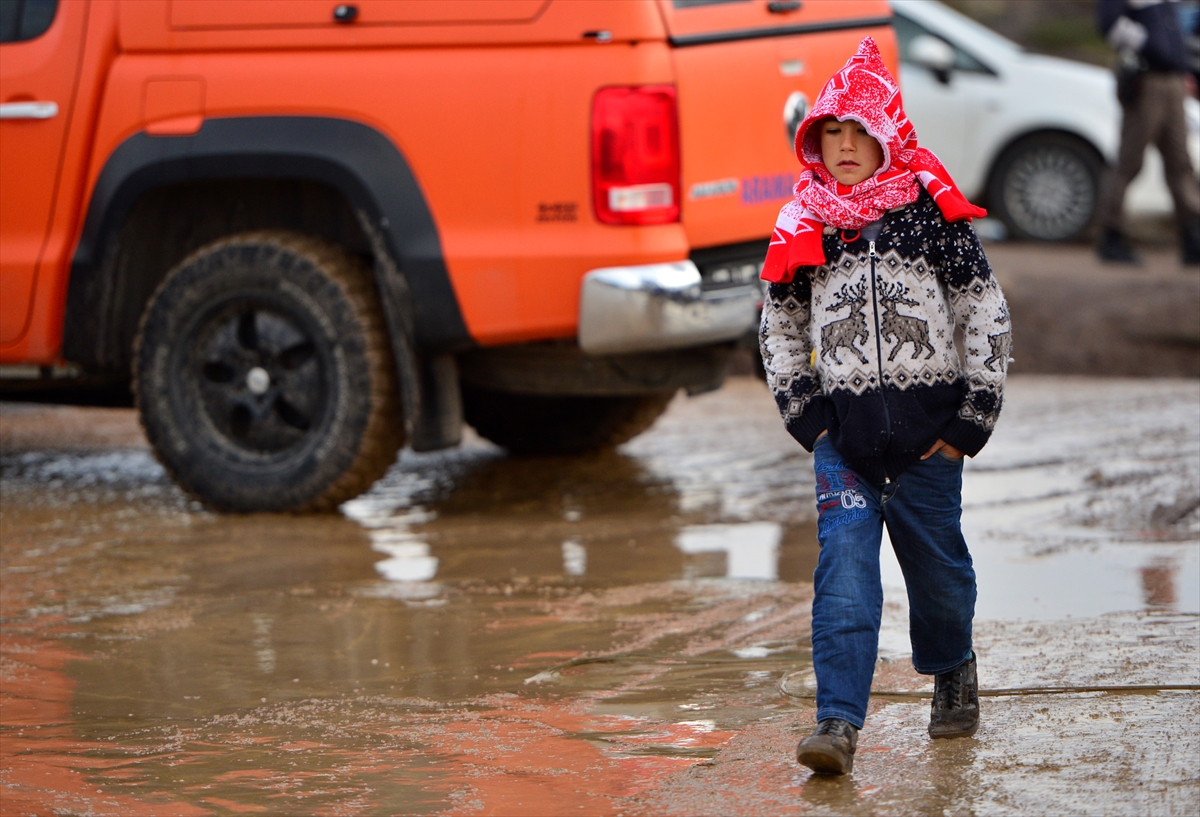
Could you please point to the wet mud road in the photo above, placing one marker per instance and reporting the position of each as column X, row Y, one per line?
column 621, row 634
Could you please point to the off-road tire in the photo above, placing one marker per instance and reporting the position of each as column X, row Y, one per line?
column 328, row 422
column 539, row 425
column 1047, row 187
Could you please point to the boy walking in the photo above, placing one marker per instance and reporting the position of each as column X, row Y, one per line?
column 871, row 269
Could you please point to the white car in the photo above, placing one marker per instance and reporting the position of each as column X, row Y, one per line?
column 1023, row 134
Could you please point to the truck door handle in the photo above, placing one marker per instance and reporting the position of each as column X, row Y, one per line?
column 783, row 6
column 28, row 110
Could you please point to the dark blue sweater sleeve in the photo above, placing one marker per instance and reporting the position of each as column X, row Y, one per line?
column 785, row 340
column 1162, row 47
column 1107, row 12
column 981, row 314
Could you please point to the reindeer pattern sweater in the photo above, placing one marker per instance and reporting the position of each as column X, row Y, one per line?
column 864, row 345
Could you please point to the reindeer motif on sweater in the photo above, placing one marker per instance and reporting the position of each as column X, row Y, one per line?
column 864, row 345
column 901, row 329
column 1001, row 342
column 844, row 332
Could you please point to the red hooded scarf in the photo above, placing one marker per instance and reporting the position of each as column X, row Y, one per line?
column 863, row 91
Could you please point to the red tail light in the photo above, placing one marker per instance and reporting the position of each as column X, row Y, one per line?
column 635, row 155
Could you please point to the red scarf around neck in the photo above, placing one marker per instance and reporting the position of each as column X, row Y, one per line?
column 863, row 91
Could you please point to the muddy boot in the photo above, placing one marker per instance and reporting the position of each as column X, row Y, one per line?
column 1115, row 248
column 955, row 703
column 830, row 749
column 1189, row 240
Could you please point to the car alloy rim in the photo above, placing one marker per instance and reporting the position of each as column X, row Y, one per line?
column 257, row 376
column 1049, row 192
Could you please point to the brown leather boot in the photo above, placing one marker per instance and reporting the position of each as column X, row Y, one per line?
column 830, row 749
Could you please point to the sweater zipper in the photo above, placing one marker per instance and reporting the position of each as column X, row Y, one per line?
column 887, row 420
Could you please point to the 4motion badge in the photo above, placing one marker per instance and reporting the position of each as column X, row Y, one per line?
column 794, row 111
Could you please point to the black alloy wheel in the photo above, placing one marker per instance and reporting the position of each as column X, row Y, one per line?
column 1047, row 187
column 264, row 375
column 260, row 378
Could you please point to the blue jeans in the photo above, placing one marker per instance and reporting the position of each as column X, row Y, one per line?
column 921, row 509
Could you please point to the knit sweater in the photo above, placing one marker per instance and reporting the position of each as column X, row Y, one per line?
column 863, row 346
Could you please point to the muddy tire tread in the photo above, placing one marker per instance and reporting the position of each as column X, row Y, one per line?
column 384, row 433
column 641, row 414
column 548, row 426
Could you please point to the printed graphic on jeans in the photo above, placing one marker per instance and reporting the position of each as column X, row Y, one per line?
column 839, row 500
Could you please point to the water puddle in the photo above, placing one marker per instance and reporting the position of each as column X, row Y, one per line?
column 485, row 635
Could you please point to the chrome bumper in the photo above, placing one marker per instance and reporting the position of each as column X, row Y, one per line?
column 659, row 306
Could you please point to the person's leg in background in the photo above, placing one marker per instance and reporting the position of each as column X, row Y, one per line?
column 1140, row 118
column 1171, row 141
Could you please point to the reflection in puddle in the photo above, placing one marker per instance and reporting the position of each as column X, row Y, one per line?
column 599, row 521
column 574, row 558
column 1158, row 583
column 751, row 550
column 408, row 557
column 262, row 643
column 407, row 562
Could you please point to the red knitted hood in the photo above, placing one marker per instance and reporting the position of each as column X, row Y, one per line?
column 864, row 91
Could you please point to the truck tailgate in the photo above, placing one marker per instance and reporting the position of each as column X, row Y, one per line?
column 743, row 67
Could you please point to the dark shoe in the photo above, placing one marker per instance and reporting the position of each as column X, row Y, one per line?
column 1115, row 248
column 1190, row 244
column 955, row 703
column 830, row 749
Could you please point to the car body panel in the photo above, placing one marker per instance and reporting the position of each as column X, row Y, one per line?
column 503, row 163
column 221, row 25
column 738, row 162
column 970, row 120
column 42, row 71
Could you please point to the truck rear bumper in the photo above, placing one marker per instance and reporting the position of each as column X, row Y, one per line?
column 659, row 306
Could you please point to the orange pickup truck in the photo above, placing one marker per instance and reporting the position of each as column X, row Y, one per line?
column 301, row 233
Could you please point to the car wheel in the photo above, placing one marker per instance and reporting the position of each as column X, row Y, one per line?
column 1046, row 187
column 539, row 425
column 264, row 377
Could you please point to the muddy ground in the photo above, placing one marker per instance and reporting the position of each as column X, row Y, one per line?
column 619, row 634
column 1073, row 314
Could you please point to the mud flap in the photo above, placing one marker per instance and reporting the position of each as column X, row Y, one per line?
column 438, row 422
column 429, row 390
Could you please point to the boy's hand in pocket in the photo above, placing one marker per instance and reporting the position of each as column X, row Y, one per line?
column 945, row 447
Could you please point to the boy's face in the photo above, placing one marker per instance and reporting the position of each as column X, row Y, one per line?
column 850, row 154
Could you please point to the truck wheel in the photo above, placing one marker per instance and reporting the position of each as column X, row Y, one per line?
column 264, row 376
column 538, row 425
column 1046, row 187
